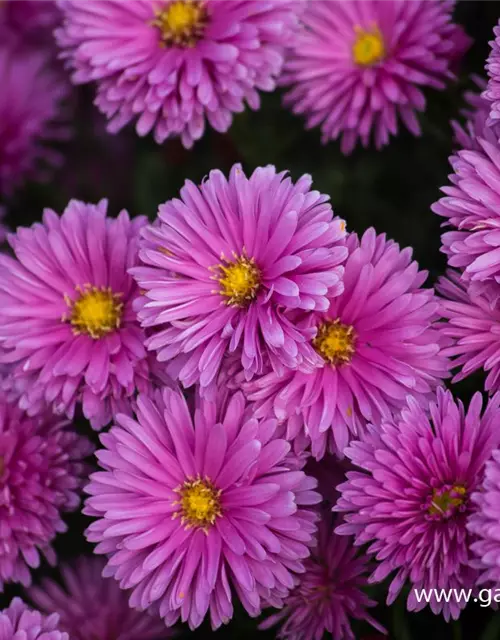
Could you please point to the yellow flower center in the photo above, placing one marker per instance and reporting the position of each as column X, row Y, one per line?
column 445, row 502
column 335, row 342
column 96, row 312
column 199, row 503
column 181, row 23
column 239, row 280
column 369, row 47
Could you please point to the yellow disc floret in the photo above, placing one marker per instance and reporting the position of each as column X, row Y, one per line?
column 335, row 342
column 199, row 503
column 181, row 23
column 96, row 312
column 445, row 503
column 369, row 47
column 239, row 281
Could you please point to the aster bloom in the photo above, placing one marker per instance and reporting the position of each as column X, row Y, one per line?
column 484, row 523
column 66, row 318
column 377, row 342
column 411, row 498
column 470, row 206
column 477, row 116
column 358, row 66
column 492, row 93
column 189, row 510
column 223, row 265
column 18, row 622
column 31, row 114
column 42, row 469
column 175, row 64
column 90, row 606
column 473, row 326
column 32, row 20
column 330, row 592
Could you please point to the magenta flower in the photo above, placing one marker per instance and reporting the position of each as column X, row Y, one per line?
column 31, row 114
column 41, row 473
column 18, row 622
column 330, row 592
column 92, row 607
column 476, row 125
column 484, row 523
column 411, row 499
column 190, row 509
column 31, row 20
column 377, row 343
column 358, row 66
column 473, row 327
column 224, row 265
column 66, row 317
column 176, row 64
column 492, row 93
column 470, row 205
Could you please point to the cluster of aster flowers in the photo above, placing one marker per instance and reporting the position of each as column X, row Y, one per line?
column 268, row 384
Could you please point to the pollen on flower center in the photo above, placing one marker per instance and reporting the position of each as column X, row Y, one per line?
column 239, row 280
column 369, row 47
column 335, row 342
column 96, row 312
column 182, row 22
column 199, row 503
column 446, row 501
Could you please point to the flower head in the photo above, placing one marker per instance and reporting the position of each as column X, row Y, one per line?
column 492, row 93
column 330, row 592
column 473, row 325
column 31, row 113
column 411, row 498
column 484, row 523
column 189, row 509
column 377, row 342
column 224, row 265
column 92, row 607
column 66, row 316
column 18, row 621
column 470, row 206
column 175, row 64
column 357, row 66
column 41, row 473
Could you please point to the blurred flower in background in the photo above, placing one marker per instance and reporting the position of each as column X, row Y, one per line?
column 93, row 607
column 174, row 65
column 359, row 66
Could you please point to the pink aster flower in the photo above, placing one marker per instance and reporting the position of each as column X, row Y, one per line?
column 358, row 66
column 476, row 125
column 330, row 592
column 223, row 266
column 175, row 64
column 66, row 318
column 190, row 509
column 411, row 498
column 31, row 20
column 471, row 206
column 484, row 523
column 377, row 343
column 18, row 622
column 31, row 114
column 41, row 473
column 92, row 607
column 473, row 326
column 492, row 93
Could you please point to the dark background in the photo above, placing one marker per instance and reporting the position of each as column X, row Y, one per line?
column 391, row 190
